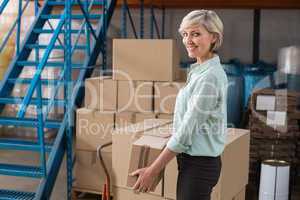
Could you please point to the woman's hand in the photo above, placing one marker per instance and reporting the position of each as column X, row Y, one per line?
column 146, row 177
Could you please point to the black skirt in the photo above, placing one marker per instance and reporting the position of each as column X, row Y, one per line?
column 197, row 176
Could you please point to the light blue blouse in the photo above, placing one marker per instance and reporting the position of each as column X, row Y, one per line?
column 200, row 115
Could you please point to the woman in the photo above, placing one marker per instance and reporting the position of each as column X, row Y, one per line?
column 200, row 114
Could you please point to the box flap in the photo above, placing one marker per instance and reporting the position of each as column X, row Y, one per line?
column 151, row 141
column 162, row 131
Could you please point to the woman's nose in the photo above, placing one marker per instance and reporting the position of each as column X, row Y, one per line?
column 189, row 40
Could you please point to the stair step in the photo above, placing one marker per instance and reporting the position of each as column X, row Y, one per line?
column 34, row 101
column 61, row 3
column 57, row 47
column 74, row 16
column 16, row 195
column 28, row 81
column 21, row 170
column 50, row 63
column 21, row 145
column 50, row 31
column 28, row 122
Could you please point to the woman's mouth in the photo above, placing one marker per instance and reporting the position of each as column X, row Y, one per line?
column 191, row 48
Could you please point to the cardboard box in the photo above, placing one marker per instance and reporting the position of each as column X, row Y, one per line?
column 170, row 179
column 101, row 93
column 235, row 166
column 89, row 173
column 124, row 119
column 182, row 74
column 144, row 152
column 145, row 59
column 241, row 195
column 165, row 94
column 165, row 116
column 139, row 117
column 121, row 193
column 234, row 177
column 164, row 131
column 122, row 147
column 135, row 96
column 93, row 128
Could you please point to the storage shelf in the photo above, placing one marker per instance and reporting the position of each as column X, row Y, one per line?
column 232, row 4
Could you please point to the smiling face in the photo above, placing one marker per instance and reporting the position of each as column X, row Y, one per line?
column 198, row 41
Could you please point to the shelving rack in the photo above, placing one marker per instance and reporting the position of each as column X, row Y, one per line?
column 94, row 27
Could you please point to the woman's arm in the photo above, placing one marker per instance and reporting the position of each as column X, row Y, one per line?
column 148, row 174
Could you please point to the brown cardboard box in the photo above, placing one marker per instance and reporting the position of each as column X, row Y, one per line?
column 234, row 177
column 241, row 195
column 144, row 152
column 170, row 179
column 139, row 117
column 135, row 96
column 93, row 128
column 165, row 94
column 101, row 93
column 89, row 173
column 164, row 131
column 165, row 116
column 182, row 74
column 121, row 193
column 145, row 59
column 124, row 119
column 122, row 140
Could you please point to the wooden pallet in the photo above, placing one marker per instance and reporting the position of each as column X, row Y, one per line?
column 76, row 192
column 93, row 194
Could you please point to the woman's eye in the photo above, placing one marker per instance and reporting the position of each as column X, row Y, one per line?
column 196, row 34
column 184, row 34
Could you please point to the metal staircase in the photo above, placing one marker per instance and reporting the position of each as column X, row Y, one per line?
column 95, row 16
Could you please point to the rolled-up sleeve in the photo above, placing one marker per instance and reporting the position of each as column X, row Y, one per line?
column 202, row 103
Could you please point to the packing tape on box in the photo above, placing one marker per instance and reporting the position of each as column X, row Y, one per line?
column 144, row 157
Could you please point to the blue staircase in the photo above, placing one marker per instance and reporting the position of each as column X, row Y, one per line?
column 95, row 16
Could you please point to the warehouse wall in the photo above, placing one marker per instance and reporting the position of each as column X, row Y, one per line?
column 279, row 28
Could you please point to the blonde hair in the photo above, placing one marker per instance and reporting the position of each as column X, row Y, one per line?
column 209, row 20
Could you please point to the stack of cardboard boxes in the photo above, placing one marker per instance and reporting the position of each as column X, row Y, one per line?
column 149, row 70
column 128, row 97
column 274, row 129
column 121, row 109
column 94, row 126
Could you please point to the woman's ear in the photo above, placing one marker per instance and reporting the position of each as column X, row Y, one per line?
column 214, row 38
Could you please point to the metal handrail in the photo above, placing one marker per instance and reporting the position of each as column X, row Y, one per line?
column 9, row 33
column 60, row 80
column 3, row 6
column 40, row 68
